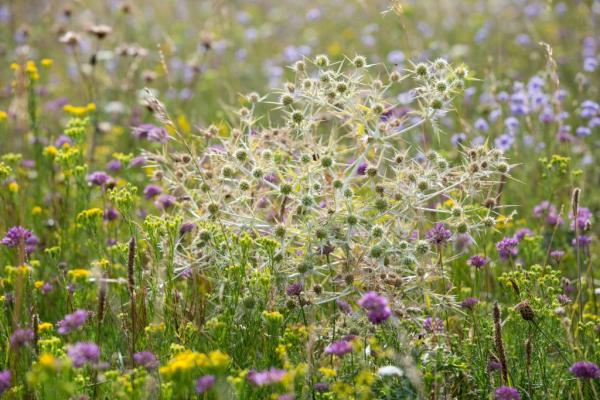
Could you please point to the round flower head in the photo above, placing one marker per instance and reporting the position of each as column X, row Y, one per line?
column 151, row 133
column 439, row 234
column 585, row 370
column 477, row 261
column 376, row 307
column 339, row 348
column 21, row 337
column 83, row 353
column 145, row 359
column 267, row 377
column 5, row 380
column 294, row 289
column 507, row 247
column 99, row 178
column 165, row 201
column 16, row 235
column 151, row 191
column 204, row 383
column 507, row 393
column 72, row 322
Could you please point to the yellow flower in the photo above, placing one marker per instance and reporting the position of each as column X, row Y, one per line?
column 47, row 360
column 15, row 66
column 50, row 151
column 274, row 316
column 328, row 372
column 155, row 327
column 37, row 210
column 38, row 284
column 79, row 110
column 13, row 187
column 46, row 62
column 44, row 326
column 3, row 116
column 79, row 273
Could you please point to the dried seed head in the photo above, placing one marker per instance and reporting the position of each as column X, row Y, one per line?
column 525, row 310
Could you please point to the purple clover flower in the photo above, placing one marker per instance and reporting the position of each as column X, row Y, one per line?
column 477, row 261
column 165, row 201
column 294, row 289
column 146, row 360
column 267, row 377
column 5, row 381
column 150, row 132
column 507, row 393
column 15, row 236
column 433, row 325
column 507, row 247
column 21, row 337
column 376, row 306
column 469, row 302
column 82, row 353
column 339, row 348
column 204, row 383
column 585, row 370
column 99, row 178
column 151, row 191
column 439, row 234
column 72, row 322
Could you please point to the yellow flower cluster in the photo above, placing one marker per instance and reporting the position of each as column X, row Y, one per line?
column 188, row 360
column 79, row 110
column 89, row 215
column 79, row 273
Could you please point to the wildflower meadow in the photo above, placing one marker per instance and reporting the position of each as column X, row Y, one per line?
column 290, row 200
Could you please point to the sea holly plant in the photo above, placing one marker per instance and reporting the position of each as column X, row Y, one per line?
column 335, row 198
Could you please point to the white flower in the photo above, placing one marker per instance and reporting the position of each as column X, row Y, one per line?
column 390, row 370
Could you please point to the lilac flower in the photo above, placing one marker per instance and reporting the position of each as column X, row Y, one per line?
column 151, row 191
column 99, row 178
column 21, row 337
column 585, row 370
column 507, row 393
column 294, row 289
column 439, row 234
column 507, row 247
column 433, row 325
column 589, row 109
column 204, row 383
column 5, row 380
column 504, row 142
column 494, row 365
column 463, row 241
column 72, row 322
column 469, row 302
column 362, row 168
column 477, row 261
column 165, row 201
column 321, row 387
column 145, row 359
column 339, row 348
column 583, row 220
column 114, row 165
column 137, row 162
column 458, row 138
column 62, row 140
column 583, row 131
column 267, row 377
column 377, row 307
column 186, row 227
column 47, row 288
column 151, row 133
column 582, row 241
column 15, row 236
column 344, row 306
column 482, row 125
column 82, row 353
column 557, row 254
column 521, row 233
column 110, row 214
